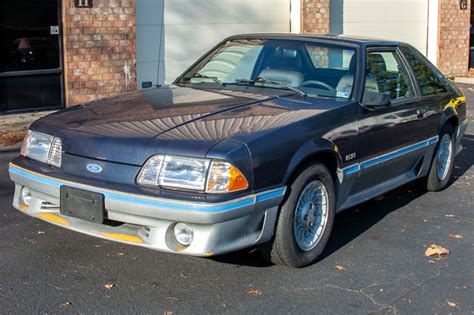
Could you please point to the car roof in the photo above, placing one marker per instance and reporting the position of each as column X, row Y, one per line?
column 339, row 38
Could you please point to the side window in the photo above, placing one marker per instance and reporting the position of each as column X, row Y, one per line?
column 430, row 82
column 386, row 74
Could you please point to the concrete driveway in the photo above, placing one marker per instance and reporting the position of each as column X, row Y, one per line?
column 374, row 263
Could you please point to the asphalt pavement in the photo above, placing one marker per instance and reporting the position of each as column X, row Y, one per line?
column 375, row 262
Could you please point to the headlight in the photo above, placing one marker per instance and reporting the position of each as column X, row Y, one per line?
column 42, row 147
column 191, row 173
column 183, row 172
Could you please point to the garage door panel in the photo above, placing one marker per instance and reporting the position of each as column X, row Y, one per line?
column 411, row 32
column 172, row 34
column 224, row 12
column 204, row 37
column 355, row 12
column 402, row 20
column 174, row 68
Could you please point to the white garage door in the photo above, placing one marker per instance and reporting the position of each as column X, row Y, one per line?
column 172, row 34
column 403, row 20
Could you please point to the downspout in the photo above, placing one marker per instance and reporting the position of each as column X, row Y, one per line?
column 432, row 37
column 295, row 16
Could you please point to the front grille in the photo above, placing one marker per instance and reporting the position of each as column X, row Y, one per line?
column 49, row 206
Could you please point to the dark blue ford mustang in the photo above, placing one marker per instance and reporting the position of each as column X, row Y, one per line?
column 260, row 142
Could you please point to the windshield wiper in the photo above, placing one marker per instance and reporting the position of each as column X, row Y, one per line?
column 263, row 81
column 203, row 76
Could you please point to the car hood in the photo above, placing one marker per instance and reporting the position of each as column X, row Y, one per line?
column 170, row 120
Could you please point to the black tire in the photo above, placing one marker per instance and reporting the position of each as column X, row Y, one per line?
column 432, row 182
column 283, row 248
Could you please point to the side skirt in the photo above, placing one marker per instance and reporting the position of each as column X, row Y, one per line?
column 351, row 173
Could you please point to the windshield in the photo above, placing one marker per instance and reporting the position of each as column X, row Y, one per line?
column 315, row 69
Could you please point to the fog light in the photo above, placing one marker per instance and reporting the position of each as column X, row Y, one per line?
column 183, row 233
column 26, row 196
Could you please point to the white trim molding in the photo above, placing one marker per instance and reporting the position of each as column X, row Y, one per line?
column 433, row 31
column 295, row 16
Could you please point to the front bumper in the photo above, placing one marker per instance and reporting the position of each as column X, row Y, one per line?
column 218, row 227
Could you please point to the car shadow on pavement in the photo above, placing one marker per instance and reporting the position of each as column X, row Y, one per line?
column 352, row 222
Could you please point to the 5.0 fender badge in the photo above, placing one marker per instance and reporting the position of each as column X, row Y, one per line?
column 94, row 168
column 350, row 156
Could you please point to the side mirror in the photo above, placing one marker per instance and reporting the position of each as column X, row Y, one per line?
column 374, row 100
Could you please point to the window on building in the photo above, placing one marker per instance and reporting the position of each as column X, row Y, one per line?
column 428, row 77
column 387, row 74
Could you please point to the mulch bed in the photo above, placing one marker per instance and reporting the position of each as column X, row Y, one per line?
column 8, row 138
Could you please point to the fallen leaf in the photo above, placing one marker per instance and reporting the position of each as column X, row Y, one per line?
column 340, row 268
column 254, row 292
column 184, row 275
column 455, row 236
column 8, row 138
column 65, row 305
column 168, row 313
column 253, row 250
column 109, row 285
column 436, row 250
column 452, row 304
column 120, row 254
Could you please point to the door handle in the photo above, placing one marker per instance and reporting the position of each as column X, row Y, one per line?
column 420, row 114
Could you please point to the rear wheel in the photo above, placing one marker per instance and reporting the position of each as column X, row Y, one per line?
column 305, row 220
column 442, row 163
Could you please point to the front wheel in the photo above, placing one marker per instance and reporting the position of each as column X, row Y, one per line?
column 442, row 163
column 305, row 220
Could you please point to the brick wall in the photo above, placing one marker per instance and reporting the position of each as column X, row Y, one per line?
column 453, row 52
column 99, row 49
column 315, row 16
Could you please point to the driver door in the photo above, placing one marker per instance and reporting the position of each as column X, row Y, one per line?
column 389, row 135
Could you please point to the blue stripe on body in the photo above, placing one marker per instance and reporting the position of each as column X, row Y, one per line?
column 231, row 205
column 389, row 156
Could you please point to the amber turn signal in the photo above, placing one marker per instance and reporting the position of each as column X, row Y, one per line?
column 225, row 177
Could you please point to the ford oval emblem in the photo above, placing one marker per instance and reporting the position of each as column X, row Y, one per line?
column 94, row 168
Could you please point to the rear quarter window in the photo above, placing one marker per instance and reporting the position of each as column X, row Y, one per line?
column 430, row 79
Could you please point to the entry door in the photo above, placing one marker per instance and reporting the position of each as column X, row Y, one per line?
column 30, row 55
column 389, row 135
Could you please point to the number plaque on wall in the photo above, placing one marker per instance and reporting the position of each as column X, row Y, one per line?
column 83, row 3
